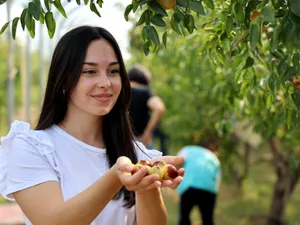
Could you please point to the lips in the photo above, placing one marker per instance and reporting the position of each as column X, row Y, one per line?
column 102, row 97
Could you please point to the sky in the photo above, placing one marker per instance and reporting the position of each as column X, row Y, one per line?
column 112, row 19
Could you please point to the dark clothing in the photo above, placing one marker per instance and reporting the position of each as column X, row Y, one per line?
column 139, row 111
column 160, row 134
column 203, row 199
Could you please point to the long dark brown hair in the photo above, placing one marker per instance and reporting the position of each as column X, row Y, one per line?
column 65, row 70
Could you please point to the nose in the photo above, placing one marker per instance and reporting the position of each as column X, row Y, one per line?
column 103, row 80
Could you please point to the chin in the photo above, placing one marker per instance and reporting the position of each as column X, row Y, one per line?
column 102, row 112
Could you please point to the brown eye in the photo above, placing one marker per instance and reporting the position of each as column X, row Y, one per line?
column 89, row 72
column 114, row 72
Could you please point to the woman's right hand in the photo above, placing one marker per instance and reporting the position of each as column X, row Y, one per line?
column 138, row 181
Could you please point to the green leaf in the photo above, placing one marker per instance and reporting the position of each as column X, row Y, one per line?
column 156, row 7
column 127, row 11
column 100, row 3
column 164, row 38
column 94, row 9
column 153, row 47
column 2, row 1
column 296, row 98
column 175, row 25
column 14, row 27
column 32, row 30
column 249, row 63
column 142, row 2
column 295, row 7
column 239, row 12
column 146, row 48
column 153, row 35
column 275, row 4
column 178, row 16
column 60, row 8
column 42, row 18
column 274, row 40
column 282, row 68
column 47, row 4
column 158, row 21
column 228, row 25
column 78, row 2
column 183, row 3
column 50, row 23
column 254, row 35
column 29, row 21
column 268, row 14
column 288, row 117
column 210, row 4
column 4, row 27
column 35, row 10
column 296, row 62
column 197, row 7
column 22, row 18
column 86, row 2
column 145, row 34
column 272, row 82
column 142, row 19
column 189, row 23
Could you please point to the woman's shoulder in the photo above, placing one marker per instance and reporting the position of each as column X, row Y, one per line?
column 21, row 131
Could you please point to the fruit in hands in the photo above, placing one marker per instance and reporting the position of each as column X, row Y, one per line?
column 136, row 168
column 161, row 168
column 156, row 170
column 144, row 162
column 159, row 163
column 141, row 164
column 169, row 172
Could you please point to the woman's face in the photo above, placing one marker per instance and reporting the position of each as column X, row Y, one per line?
column 100, row 84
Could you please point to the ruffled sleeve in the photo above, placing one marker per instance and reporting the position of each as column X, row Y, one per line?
column 144, row 153
column 27, row 158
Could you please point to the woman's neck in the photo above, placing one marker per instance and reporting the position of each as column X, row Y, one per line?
column 87, row 128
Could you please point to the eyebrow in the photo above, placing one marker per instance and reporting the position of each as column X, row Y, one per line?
column 95, row 64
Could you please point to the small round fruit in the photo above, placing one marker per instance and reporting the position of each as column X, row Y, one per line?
column 156, row 170
column 167, row 4
column 169, row 172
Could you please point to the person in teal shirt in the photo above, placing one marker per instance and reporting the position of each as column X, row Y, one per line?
column 201, row 181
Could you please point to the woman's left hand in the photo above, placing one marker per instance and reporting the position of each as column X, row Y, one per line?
column 176, row 161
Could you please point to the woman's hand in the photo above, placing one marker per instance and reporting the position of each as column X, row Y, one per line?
column 176, row 161
column 138, row 181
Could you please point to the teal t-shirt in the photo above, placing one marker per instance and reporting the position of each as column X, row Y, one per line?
column 202, row 170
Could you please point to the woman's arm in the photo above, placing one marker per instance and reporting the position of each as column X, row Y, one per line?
column 43, row 204
column 157, row 107
column 150, row 208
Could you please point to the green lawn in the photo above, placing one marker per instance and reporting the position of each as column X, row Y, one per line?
column 249, row 209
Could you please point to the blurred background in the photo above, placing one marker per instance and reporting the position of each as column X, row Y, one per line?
column 199, row 103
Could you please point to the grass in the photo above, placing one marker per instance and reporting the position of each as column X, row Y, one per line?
column 251, row 208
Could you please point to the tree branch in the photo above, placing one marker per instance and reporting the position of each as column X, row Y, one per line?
column 241, row 38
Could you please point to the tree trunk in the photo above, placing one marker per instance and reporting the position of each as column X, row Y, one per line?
column 280, row 198
column 284, row 186
column 242, row 174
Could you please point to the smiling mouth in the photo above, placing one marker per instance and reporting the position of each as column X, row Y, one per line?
column 102, row 98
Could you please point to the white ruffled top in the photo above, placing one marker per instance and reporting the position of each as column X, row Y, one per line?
column 30, row 157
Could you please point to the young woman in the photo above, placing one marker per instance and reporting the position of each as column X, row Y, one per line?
column 75, row 167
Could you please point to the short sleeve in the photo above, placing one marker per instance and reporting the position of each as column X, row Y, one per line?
column 26, row 160
column 143, row 153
